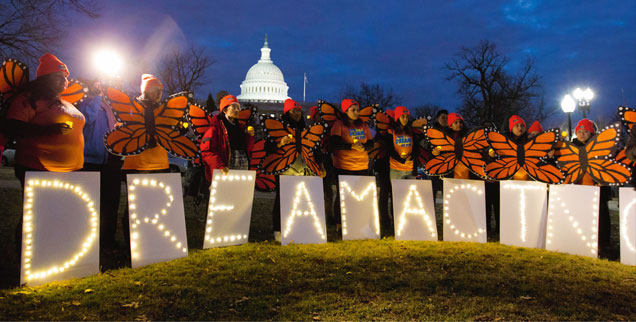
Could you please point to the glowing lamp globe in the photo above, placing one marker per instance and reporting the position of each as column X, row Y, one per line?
column 108, row 62
column 568, row 104
column 588, row 94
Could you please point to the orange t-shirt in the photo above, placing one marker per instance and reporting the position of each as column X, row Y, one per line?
column 403, row 145
column 57, row 152
column 352, row 160
column 150, row 159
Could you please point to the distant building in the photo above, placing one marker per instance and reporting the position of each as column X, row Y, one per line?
column 265, row 87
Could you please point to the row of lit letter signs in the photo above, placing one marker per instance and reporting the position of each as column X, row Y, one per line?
column 61, row 216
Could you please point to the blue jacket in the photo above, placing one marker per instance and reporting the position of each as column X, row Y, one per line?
column 96, row 126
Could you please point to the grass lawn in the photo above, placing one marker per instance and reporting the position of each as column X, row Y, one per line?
column 353, row 280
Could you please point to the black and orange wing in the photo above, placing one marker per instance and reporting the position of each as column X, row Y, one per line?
column 199, row 119
column 283, row 157
column 264, row 182
column 173, row 111
column 473, row 143
column 621, row 157
column 75, row 92
column 382, row 122
column 246, row 115
column 328, row 112
column 628, row 116
column 127, row 110
column 567, row 155
column 311, row 138
column 367, row 113
column 446, row 161
column 13, row 76
column 535, row 152
column 604, row 143
column 418, row 125
column 607, row 171
column 169, row 117
column 506, row 164
column 130, row 138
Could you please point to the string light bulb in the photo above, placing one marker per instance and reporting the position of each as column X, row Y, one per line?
column 215, row 208
column 419, row 211
column 447, row 218
column 371, row 188
column 301, row 190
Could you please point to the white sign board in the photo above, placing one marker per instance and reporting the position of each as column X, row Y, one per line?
column 523, row 213
column 302, row 210
column 156, row 218
column 230, row 208
column 573, row 219
column 413, row 210
column 60, row 230
column 464, row 210
column 627, row 220
column 359, row 207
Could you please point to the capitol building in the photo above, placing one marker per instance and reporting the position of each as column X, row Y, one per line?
column 265, row 87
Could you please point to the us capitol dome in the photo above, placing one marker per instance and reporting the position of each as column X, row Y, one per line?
column 264, row 82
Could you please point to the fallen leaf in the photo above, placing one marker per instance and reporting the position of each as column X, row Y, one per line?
column 76, row 302
column 243, row 299
column 348, row 273
column 316, row 317
column 525, row 297
column 142, row 317
column 133, row 305
column 88, row 290
column 137, row 283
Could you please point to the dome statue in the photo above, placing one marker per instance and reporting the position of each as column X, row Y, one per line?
column 264, row 81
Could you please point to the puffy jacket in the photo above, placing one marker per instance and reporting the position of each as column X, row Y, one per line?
column 215, row 146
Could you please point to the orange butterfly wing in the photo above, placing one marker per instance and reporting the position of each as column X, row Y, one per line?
column 328, row 112
column 169, row 117
column 382, row 122
column 418, row 124
column 75, row 92
column 310, row 143
column 283, row 157
column 473, row 142
column 506, row 166
column 126, row 109
column 366, row 113
column 247, row 114
column 264, row 182
column 13, row 76
column 628, row 116
column 127, row 139
column 535, row 151
column 199, row 120
column 621, row 157
column 608, row 172
column 446, row 161
column 567, row 155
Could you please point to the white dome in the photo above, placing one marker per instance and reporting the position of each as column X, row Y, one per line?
column 264, row 81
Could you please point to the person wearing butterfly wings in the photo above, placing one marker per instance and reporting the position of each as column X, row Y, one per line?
column 292, row 150
column 227, row 142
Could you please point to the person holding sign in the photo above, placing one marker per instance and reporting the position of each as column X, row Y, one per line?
column 227, row 142
column 292, row 150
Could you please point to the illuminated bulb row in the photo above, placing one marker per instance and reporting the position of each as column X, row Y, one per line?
column 29, row 228
column 415, row 211
column 447, row 207
column 624, row 229
column 227, row 238
column 155, row 220
column 522, row 201
column 302, row 190
column 376, row 214
column 591, row 244
column 213, row 208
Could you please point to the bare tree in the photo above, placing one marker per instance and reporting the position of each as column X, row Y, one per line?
column 185, row 70
column 371, row 94
column 29, row 28
column 489, row 91
column 426, row 110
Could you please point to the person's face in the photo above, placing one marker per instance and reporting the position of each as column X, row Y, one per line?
column 153, row 94
column 443, row 120
column 457, row 125
column 353, row 112
column 404, row 119
column 518, row 129
column 59, row 81
column 583, row 135
column 95, row 89
column 232, row 110
column 295, row 114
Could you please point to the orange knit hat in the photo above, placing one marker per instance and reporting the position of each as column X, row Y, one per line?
column 49, row 64
column 148, row 81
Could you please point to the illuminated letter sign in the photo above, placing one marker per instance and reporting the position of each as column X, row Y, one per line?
column 157, row 221
column 627, row 208
column 414, row 218
column 302, row 210
column 464, row 210
column 573, row 219
column 60, row 231
column 359, row 211
column 524, row 211
column 230, row 208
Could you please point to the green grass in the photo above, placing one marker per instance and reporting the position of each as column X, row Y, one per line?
column 353, row 280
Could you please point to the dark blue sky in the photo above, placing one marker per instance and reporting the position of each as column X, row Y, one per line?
column 401, row 45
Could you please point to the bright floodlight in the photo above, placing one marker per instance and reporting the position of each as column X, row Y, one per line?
column 108, row 62
column 568, row 104
column 589, row 95
column 578, row 94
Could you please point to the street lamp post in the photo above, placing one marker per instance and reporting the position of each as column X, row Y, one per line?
column 568, row 105
column 583, row 99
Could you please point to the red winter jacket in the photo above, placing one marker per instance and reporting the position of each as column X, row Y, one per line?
column 215, row 146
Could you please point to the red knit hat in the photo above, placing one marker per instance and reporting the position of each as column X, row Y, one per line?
column 535, row 127
column 452, row 117
column 312, row 111
column 226, row 101
column 347, row 103
column 49, row 64
column 290, row 104
column 586, row 125
column 514, row 120
column 148, row 81
column 399, row 111
column 389, row 113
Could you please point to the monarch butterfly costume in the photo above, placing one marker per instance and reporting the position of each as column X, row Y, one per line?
column 36, row 122
column 627, row 155
column 590, row 162
column 524, row 154
column 399, row 142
